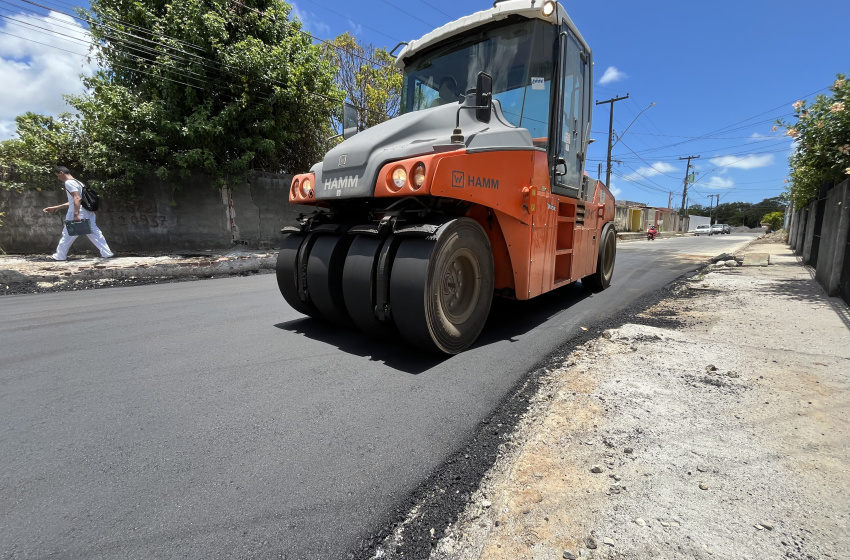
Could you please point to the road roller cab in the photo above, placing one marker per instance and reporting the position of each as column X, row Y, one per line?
column 476, row 189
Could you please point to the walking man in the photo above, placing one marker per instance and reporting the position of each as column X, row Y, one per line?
column 76, row 212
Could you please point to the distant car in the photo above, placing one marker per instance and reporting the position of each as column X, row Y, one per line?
column 704, row 229
column 726, row 228
column 716, row 228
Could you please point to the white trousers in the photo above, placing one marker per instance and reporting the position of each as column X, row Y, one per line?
column 96, row 237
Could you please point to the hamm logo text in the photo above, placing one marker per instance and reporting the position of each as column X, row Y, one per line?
column 349, row 182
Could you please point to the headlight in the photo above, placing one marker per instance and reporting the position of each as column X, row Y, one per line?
column 548, row 8
column 418, row 175
column 307, row 188
column 399, row 177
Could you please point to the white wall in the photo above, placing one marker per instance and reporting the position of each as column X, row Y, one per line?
column 698, row 221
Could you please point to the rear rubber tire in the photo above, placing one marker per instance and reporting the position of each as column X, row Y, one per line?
column 287, row 269
column 441, row 291
column 324, row 277
column 601, row 279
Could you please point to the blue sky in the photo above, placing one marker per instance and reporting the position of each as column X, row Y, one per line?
column 718, row 72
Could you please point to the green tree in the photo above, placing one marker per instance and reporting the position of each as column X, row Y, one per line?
column 822, row 134
column 740, row 213
column 368, row 77
column 43, row 142
column 215, row 86
column 698, row 210
column 775, row 219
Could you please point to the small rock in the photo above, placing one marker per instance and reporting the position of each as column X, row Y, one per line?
column 665, row 524
column 616, row 477
column 758, row 527
column 590, row 542
column 733, row 374
column 486, row 503
column 569, row 555
column 710, row 367
column 767, row 526
column 640, row 521
column 609, row 542
column 628, row 451
column 702, row 468
column 596, row 469
column 703, row 486
column 730, row 263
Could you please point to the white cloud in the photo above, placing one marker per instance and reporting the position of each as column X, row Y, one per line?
column 615, row 190
column 612, row 75
column 311, row 23
column 35, row 75
column 658, row 168
column 751, row 161
column 356, row 28
column 716, row 182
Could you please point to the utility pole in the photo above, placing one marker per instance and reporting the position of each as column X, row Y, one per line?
column 687, row 174
column 710, row 208
column 670, row 200
column 610, row 135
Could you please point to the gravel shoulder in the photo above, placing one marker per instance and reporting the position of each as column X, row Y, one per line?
column 725, row 437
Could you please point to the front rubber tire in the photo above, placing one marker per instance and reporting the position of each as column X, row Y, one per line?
column 287, row 272
column 441, row 290
column 324, row 277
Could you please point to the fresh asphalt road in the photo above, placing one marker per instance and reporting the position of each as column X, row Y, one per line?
column 210, row 420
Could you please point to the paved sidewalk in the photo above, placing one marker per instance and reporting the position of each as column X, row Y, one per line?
column 715, row 424
column 40, row 269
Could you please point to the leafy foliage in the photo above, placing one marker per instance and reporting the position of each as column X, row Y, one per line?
column 775, row 219
column 368, row 77
column 42, row 143
column 822, row 134
column 740, row 213
column 197, row 85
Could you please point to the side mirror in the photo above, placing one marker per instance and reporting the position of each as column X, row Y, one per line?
column 484, row 97
column 349, row 120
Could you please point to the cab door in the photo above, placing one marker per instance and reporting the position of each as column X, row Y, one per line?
column 572, row 122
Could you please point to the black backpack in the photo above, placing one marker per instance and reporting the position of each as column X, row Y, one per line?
column 89, row 199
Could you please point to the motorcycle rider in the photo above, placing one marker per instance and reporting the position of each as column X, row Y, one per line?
column 651, row 232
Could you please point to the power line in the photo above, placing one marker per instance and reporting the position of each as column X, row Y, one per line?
column 433, row 7
column 390, row 4
column 40, row 43
column 396, row 39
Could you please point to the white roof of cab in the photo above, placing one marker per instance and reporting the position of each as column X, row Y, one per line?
column 529, row 8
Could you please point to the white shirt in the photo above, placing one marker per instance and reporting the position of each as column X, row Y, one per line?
column 73, row 186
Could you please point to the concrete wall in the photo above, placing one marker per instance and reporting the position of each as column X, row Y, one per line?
column 831, row 271
column 800, row 231
column 195, row 218
column 809, row 236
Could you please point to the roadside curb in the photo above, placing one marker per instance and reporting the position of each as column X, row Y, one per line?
column 105, row 269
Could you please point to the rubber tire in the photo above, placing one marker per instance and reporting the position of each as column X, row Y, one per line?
column 286, row 269
column 601, row 279
column 358, row 284
column 324, row 277
column 422, row 286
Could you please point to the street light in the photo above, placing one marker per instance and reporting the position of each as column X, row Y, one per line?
column 620, row 137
